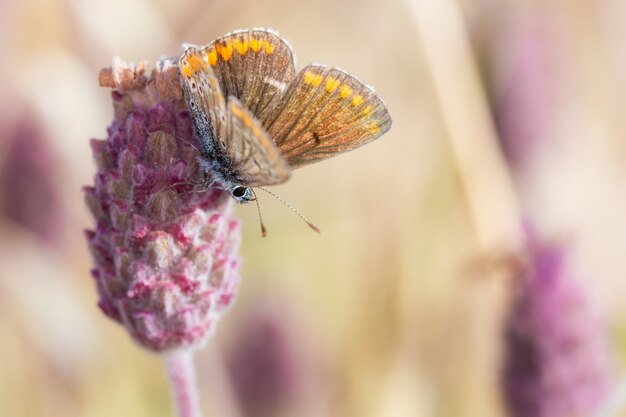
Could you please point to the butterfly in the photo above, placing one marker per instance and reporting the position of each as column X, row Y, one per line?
column 257, row 119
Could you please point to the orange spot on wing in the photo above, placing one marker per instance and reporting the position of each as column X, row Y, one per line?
column 241, row 115
column 195, row 63
column 237, row 111
column 211, row 57
column 373, row 128
column 269, row 48
column 357, row 100
column 186, row 69
column 367, row 111
column 312, row 78
column 241, row 47
column 256, row 44
column 345, row 91
column 247, row 121
column 225, row 51
column 331, row 84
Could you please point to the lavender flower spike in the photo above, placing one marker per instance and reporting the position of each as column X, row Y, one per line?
column 557, row 360
column 165, row 250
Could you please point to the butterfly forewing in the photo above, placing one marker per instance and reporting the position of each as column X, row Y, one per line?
column 253, row 65
column 255, row 159
column 325, row 111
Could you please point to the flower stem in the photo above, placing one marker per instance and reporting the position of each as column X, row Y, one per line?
column 490, row 195
column 183, row 379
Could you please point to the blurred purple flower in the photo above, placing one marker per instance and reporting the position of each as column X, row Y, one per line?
column 524, row 108
column 166, row 255
column 267, row 364
column 557, row 362
column 29, row 192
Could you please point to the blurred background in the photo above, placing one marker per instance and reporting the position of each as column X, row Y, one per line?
column 470, row 263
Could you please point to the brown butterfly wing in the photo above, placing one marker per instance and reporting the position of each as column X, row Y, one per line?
column 232, row 139
column 255, row 159
column 324, row 112
column 204, row 98
column 253, row 65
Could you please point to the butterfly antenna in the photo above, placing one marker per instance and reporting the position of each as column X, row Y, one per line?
column 311, row 225
column 258, row 210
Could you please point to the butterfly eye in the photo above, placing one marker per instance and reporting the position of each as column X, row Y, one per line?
column 239, row 192
column 242, row 194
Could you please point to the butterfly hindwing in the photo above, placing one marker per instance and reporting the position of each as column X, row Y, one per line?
column 255, row 159
column 253, row 65
column 323, row 112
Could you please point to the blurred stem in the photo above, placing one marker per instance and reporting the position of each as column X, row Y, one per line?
column 183, row 379
column 488, row 188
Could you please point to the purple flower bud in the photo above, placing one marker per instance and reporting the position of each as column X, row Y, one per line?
column 269, row 364
column 28, row 180
column 165, row 250
column 529, row 92
column 557, row 361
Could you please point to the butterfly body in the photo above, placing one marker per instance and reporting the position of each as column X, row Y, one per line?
column 257, row 119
